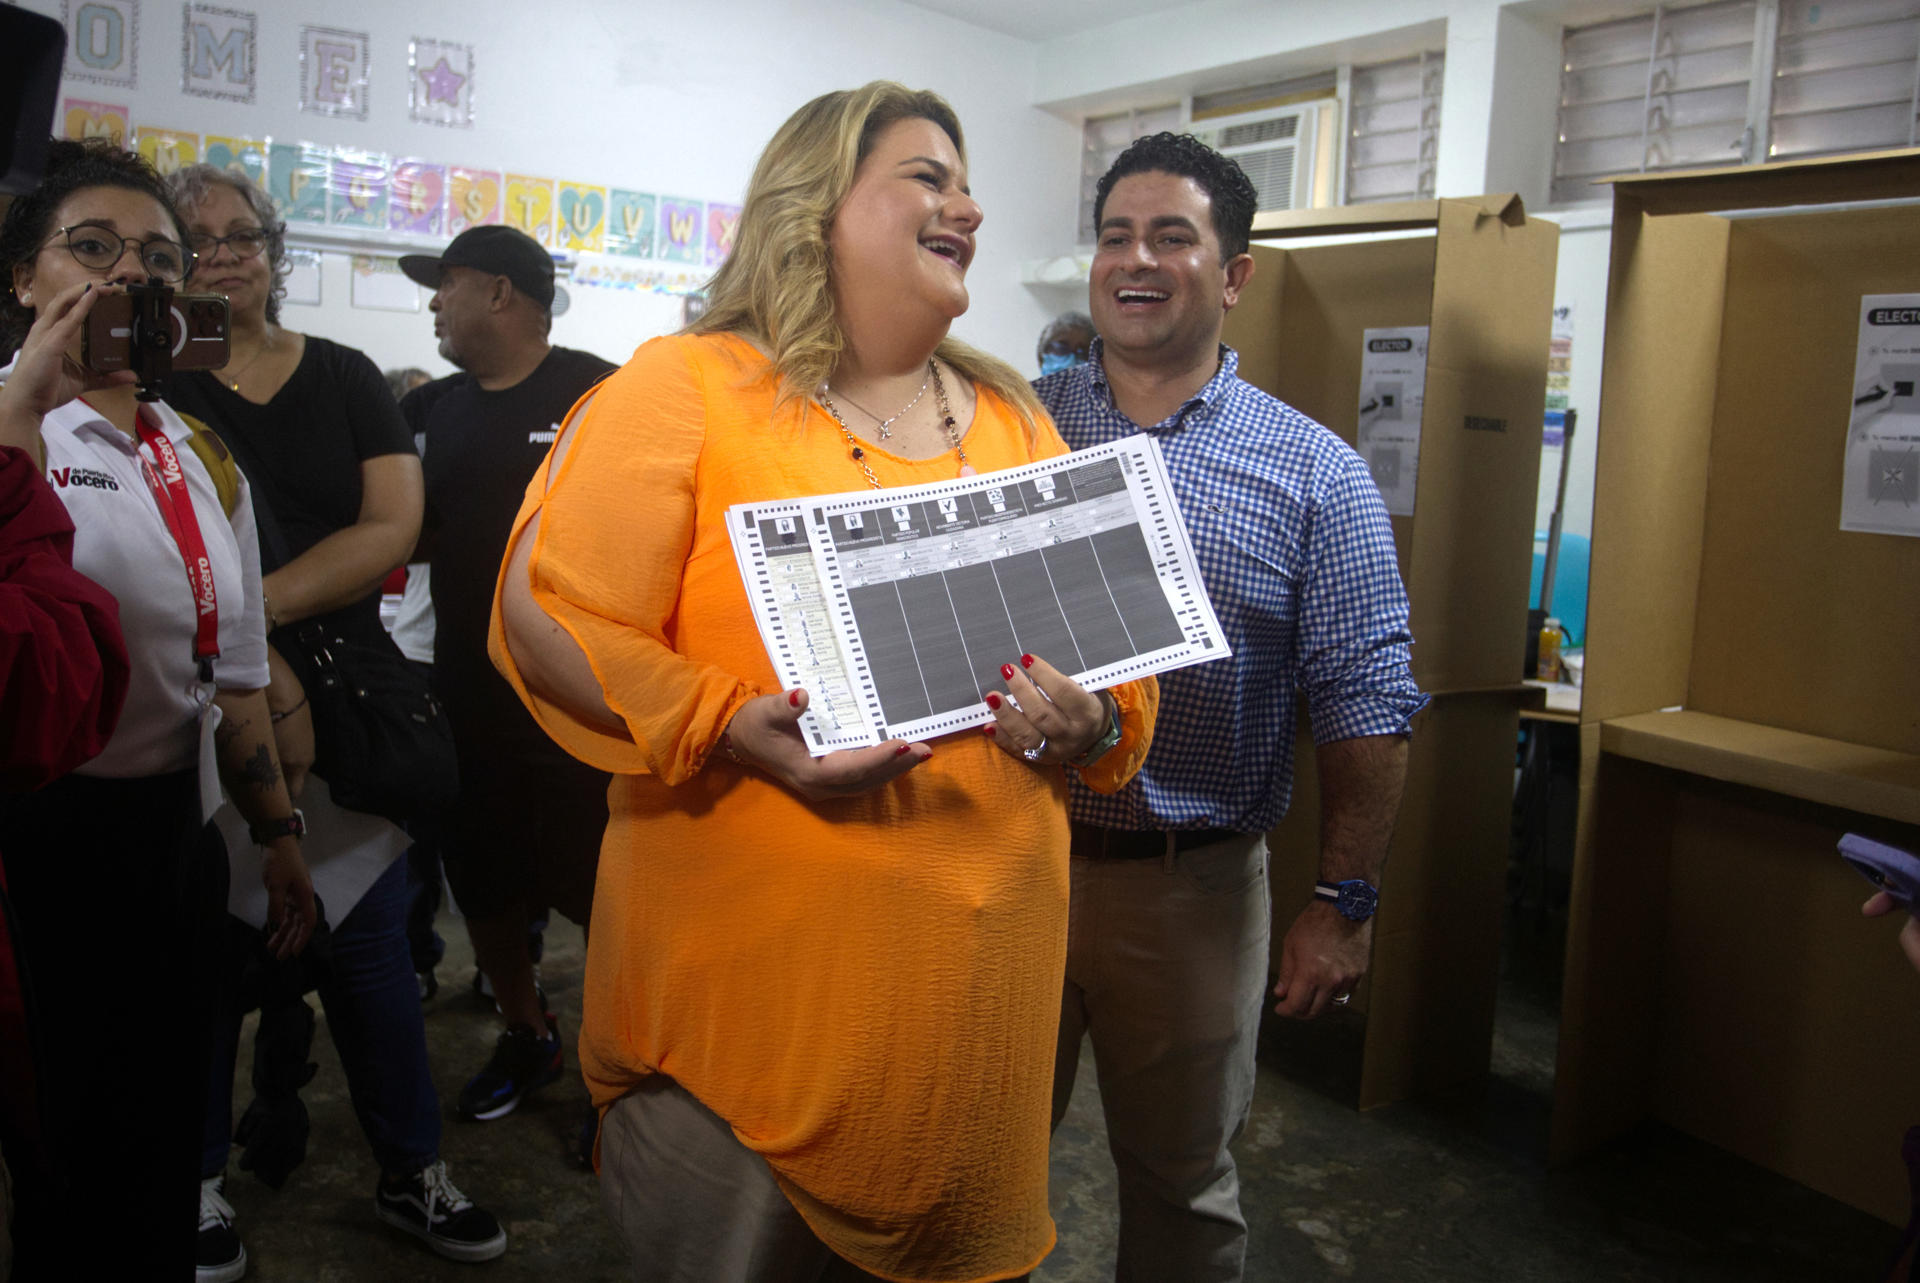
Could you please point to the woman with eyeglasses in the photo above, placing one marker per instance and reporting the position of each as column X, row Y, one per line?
column 115, row 871
column 319, row 435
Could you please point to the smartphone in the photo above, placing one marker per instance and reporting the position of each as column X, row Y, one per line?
column 195, row 329
column 1889, row 868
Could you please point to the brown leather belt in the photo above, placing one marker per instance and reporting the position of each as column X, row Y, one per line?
column 1091, row 843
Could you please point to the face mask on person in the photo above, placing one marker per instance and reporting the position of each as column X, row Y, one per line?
column 1054, row 362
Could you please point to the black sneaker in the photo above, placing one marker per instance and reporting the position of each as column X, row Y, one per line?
column 427, row 1206
column 522, row 1060
column 220, row 1256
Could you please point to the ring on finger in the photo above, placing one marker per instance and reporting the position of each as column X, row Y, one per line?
column 1035, row 753
column 1343, row 999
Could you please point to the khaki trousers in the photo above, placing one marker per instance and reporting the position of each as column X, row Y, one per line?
column 694, row 1205
column 1166, row 971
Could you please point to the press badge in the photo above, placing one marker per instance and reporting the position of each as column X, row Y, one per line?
column 210, row 796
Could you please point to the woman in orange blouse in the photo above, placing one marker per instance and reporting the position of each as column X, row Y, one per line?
column 821, row 993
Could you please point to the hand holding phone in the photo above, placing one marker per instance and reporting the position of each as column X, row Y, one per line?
column 1894, row 872
column 153, row 331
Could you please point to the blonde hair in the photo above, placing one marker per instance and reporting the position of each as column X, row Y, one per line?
column 776, row 287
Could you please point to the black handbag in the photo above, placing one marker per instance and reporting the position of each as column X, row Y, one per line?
column 381, row 739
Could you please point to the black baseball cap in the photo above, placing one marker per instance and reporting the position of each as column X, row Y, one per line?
column 496, row 250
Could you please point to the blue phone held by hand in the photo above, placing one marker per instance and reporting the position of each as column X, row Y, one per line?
column 1889, row 868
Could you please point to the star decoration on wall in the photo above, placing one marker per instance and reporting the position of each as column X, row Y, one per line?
column 443, row 83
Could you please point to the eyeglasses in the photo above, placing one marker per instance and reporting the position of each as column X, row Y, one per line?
column 245, row 243
column 99, row 249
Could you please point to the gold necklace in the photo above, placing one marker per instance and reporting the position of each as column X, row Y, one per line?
column 886, row 424
column 859, row 453
column 233, row 380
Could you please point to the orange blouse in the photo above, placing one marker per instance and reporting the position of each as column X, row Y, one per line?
column 867, row 988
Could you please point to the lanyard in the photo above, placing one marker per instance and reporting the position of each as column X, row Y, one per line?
column 169, row 487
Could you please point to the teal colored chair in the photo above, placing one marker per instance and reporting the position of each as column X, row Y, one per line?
column 1569, row 583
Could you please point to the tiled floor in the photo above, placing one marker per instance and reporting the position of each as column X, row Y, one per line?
column 1409, row 1193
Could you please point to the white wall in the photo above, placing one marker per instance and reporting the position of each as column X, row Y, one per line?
column 1497, row 125
column 1582, row 282
column 643, row 96
column 618, row 92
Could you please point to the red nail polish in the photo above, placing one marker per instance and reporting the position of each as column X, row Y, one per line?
column 904, row 748
column 1026, row 661
column 793, row 699
column 1006, row 671
column 988, row 729
column 993, row 700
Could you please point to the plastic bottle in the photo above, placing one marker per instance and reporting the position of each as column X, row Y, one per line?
column 1550, row 635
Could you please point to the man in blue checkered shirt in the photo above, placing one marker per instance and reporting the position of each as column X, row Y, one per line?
column 1168, row 942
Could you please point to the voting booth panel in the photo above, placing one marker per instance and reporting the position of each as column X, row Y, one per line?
column 1479, row 275
column 1750, row 690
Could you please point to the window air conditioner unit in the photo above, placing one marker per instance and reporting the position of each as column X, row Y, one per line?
column 1274, row 145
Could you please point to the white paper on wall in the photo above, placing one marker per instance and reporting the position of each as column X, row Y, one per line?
column 303, row 277
column 379, row 284
column 1393, row 396
column 1880, row 486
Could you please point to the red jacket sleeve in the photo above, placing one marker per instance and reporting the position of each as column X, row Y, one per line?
column 63, row 664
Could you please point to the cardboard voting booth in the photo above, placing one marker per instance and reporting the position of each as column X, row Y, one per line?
column 1454, row 443
column 1751, row 690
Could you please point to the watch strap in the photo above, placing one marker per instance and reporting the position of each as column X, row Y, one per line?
column 294, row 826
column 1108, row 737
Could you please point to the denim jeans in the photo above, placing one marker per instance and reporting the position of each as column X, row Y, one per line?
column 373, row 1013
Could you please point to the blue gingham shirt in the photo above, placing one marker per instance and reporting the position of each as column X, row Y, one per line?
column 1293, row 542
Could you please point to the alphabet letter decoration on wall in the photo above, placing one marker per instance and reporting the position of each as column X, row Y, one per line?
column 722, row 222
column 103, row 38
column 529, row 204
column 441, row 78
column 217, row 53
column 246, row 156
column 297, row 179
column 357, row 195
column 82, row 119
column 333, row 72
column 681, row 229
column 419, row 199
column 630, row 221
column 583, row 217
column 167, row 149
column 473, row 198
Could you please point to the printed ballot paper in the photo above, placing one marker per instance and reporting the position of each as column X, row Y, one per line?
column 894, row 609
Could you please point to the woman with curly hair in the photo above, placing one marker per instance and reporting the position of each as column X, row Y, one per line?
column 317, row 432
column 821, row 994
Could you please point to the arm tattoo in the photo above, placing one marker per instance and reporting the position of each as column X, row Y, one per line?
column 259, row 770
column 228, row 731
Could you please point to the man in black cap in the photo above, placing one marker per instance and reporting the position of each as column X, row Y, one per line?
column 525, row 833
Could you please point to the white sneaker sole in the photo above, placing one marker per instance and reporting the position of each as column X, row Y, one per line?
column 487, row 1251
column 232, row 1272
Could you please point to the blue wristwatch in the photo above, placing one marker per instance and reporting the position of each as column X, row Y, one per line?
column 1355, row 899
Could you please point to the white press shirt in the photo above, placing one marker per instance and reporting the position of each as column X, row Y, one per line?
column 122, row 543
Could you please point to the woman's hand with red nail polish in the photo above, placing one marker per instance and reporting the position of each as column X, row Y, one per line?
column 1045, row 710
column 765, row 734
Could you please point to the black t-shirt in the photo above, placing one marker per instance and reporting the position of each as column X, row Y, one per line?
column 481, row 450
column 301, row 451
